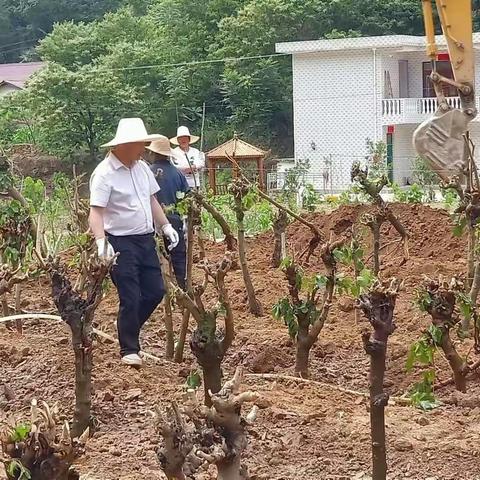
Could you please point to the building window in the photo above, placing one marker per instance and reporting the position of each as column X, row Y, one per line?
column 444, row 68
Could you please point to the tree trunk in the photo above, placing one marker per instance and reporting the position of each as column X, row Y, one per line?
column 376, row 249
column 218, row 436
column 5, row 307
column 302, row 358
column 178, row 358
column 400, row 229
column 167, row 306
column 277, row 250
column 279, row 227
column 474, row 291
column 378, row 307
column 471, row 257
column 186, row 314
column 254, row 305
column 231, row 470
column 83, row 388
column 458, row 366
column 46, row 453
column 78, row 314
column 207, row 348
column 442, row 308
column 18, row 298
column 476, row 284
column 212, row 379
column 170, row 340
column 201, row 242
column 92, row 149
column 377, row 412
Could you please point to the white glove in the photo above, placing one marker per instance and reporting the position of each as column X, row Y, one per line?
column 105, row 250
column 171, row 234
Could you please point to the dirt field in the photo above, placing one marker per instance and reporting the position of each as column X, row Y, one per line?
column 306, row 431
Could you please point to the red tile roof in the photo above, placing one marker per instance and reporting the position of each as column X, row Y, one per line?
column 18, row 73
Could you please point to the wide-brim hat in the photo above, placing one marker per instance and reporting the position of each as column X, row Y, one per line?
column 184, row 132
column 161, row 147
column 131, row 130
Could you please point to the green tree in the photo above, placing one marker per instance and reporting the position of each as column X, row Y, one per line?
column 164, row 59
column 77, row 111
column 375, row 17
column 24, row 22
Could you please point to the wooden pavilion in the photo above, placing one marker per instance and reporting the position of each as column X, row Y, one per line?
column 249, row 159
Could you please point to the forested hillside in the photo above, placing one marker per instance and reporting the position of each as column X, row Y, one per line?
column 167, row 60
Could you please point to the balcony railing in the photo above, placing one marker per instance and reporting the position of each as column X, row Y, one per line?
column 413, row 110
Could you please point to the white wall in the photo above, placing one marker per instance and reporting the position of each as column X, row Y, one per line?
column 5, row 89
column 415, row 73
column 334, row 108
column 389, row 62
column 403, row 152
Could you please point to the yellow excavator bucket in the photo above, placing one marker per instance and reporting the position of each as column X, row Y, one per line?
column 440, row 139
column 456, row 19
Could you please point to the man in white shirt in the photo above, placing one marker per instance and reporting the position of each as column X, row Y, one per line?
column 124, row 214
column 190, row 161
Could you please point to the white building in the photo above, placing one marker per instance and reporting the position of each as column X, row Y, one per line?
column 348, row 90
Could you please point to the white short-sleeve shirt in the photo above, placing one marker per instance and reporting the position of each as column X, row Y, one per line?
column 125, row 193
column 196, row 158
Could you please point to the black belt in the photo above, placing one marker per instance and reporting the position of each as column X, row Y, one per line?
column 139, row 236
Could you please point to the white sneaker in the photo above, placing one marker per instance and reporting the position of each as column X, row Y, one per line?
column 132, row 359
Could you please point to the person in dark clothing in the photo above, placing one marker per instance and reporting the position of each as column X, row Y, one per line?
column 173, row 184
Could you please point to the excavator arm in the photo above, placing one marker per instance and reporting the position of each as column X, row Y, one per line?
column 440, row 139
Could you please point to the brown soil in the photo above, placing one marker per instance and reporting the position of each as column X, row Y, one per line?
column 27, row 161
column 305, row 431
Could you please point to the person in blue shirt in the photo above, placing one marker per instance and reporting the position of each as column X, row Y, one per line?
column 173, row 184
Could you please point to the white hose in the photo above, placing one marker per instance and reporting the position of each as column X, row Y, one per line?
column 31, row 316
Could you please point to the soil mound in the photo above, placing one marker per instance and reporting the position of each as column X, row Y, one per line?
column 430, row 229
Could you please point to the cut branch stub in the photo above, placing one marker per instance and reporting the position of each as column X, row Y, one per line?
column 202, row 436
column 43, row 448
column 378, row 306
column 178, row 442
column 310, row 310
column 442, row 300
column 440, row 303
column 372, row 188
column 9, row 277
column 78, row 313
column 208, row 343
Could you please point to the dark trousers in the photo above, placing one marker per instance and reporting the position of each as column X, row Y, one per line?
column 179, row 254
column 138, row 279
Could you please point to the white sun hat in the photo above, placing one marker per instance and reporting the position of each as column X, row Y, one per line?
column 184, row 132
column 131, row 130
column 161, row 146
